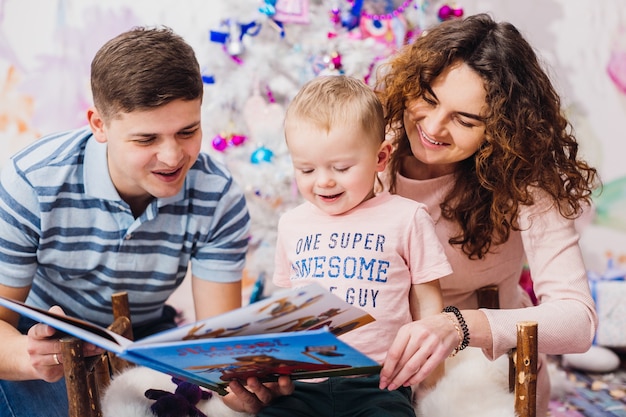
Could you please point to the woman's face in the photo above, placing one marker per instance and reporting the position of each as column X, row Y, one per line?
column 448, row 126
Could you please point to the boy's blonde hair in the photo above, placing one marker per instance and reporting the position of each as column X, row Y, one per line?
column 330, row 100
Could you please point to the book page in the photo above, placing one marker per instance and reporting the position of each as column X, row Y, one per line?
column 213, row 363
column 82, row 329
column 291, row 310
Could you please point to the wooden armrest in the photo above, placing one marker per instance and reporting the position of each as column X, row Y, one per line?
column 79, row 379
column 86, row 377
column 522, row 360
column 526, row 358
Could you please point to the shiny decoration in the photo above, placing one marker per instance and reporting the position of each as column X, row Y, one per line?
column 350, row 17
column 447, row 12
column 327, row 64
column 390, row 15
column 222, row 141
column 334, row 61
column 292, row 11
column 208, row 79
column 261, row 154
column 268, row 8
column 232, row 35
column 234, row 44
column 335, row 16
column 219, row 143
column 237, row 140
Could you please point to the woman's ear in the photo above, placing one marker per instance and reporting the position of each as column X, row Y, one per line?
column 97, row 124
column 384, row 154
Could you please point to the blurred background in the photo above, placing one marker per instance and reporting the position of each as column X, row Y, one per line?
column 255, row 54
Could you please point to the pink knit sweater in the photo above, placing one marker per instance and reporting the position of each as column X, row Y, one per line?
column 549, row 244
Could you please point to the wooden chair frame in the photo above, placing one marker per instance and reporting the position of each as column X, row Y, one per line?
column 522, row 360
column 86, row 378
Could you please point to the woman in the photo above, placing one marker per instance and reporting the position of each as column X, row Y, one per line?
column 480, row 138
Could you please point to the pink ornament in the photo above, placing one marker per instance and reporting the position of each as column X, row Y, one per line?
column 262, row 117
column 446, row 12
column 237, row 140
column 292, row 11
column 336, row 60
column 219, row 143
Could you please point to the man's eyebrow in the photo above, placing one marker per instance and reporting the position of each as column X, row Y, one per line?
column 148, row 134
column 192, row 125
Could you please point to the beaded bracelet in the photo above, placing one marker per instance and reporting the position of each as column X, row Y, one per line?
column 458, row 331
column 465, row 340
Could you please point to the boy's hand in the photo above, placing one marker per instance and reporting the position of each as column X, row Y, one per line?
column 255, row 395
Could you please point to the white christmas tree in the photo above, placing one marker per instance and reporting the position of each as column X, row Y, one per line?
column 261, row 54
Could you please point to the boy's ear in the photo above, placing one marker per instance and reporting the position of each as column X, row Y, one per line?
column 96, row 122
column 384, row 154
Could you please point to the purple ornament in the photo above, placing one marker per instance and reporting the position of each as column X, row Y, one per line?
column 445, row 12
column 219, row 143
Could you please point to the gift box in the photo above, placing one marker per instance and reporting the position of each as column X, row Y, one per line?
column 610, row 297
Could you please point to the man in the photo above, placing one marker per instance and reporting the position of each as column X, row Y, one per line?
column 128, row 203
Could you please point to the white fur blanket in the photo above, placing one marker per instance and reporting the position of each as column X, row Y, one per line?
column 473, row 386
column 125, row 395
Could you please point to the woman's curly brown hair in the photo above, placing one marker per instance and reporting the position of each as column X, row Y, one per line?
column 528, row 142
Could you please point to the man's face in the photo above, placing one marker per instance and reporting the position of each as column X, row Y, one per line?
column 149, row 152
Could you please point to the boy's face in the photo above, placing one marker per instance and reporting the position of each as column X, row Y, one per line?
column 336, row 170
column 149, row 152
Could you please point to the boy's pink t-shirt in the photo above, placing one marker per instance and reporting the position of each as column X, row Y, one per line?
column 369, row 257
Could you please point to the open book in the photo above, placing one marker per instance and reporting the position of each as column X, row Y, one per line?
column 293, row 332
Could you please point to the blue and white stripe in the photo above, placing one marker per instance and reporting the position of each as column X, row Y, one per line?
column 65, row 231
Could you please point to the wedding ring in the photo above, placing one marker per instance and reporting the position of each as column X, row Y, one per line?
column 56, row 359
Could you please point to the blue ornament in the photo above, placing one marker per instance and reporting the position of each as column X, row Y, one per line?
column 262, row 154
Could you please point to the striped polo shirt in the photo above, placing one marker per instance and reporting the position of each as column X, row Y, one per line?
column 65, row 230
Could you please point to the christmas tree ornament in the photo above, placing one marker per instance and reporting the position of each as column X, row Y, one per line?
column 292, row 11
column 447, row 12
column 219, row 143
column 261, row 154
column 268, row 8
column 234, row 44
column 384, row 13
column 231, row 36
column 350, row 17
column 223, row 141
column 263, row 117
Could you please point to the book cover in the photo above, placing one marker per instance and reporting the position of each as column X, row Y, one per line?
column 293, row 332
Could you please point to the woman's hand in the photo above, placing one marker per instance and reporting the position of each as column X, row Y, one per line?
column 416, row 351
column 44, row 348
column 255, row 395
